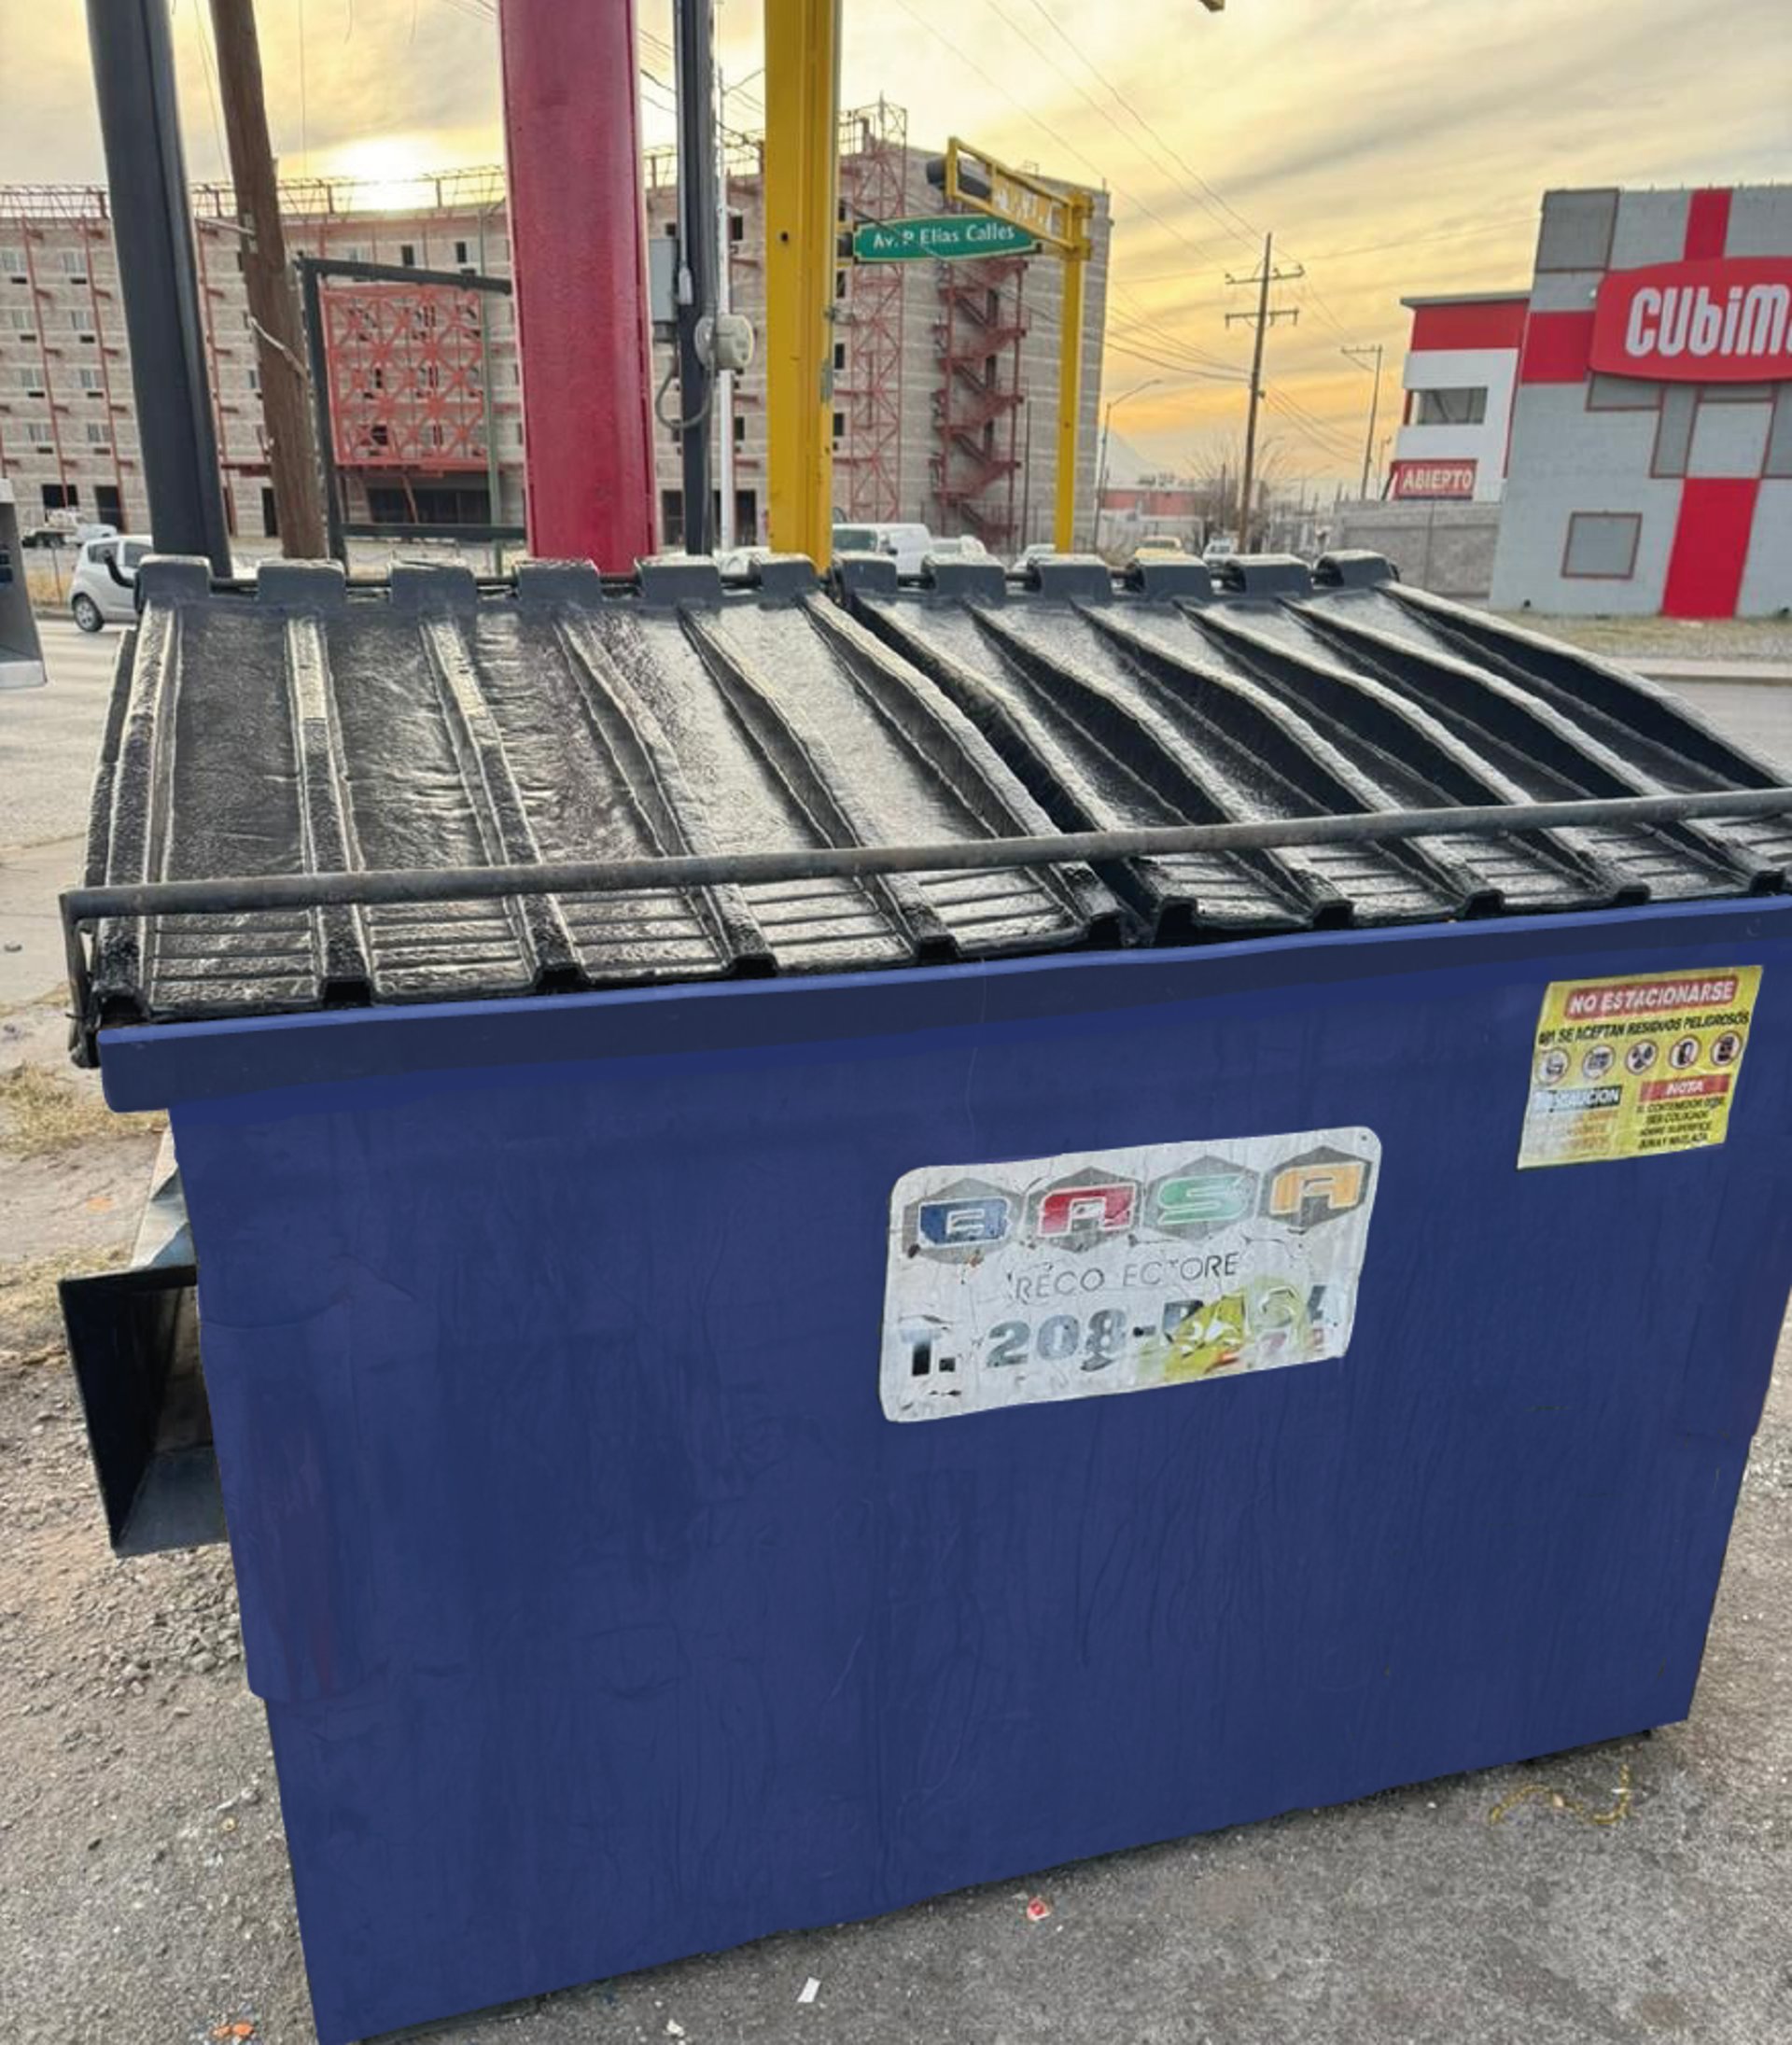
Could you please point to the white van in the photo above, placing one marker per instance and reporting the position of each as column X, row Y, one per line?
column 908, row 546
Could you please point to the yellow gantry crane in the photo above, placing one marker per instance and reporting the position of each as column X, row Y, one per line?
column 802, row 142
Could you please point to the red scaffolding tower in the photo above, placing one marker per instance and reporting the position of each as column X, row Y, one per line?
column 868, row 339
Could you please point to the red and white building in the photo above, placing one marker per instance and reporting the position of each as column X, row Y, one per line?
column 1650, row 464
column 1462, row 370
column 1631, row 415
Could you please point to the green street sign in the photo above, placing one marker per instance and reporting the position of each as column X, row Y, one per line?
column 948, row 237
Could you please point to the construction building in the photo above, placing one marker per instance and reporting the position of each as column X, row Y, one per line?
column 945, row 374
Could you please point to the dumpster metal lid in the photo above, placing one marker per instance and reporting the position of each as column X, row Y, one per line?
column 1275, row 691
column 307, row 728
column 313, row 726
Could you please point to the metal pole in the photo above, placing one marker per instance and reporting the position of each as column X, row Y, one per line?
column 726, row 533
column 133, row 74
column 493, row 474
column 1101, row 471
column 1356, row 354
column 694, row 32
column 1069, row 375
column 578, row 256
column 286, row 403
column 311, row 301
column 233, row 897
column 802, row 142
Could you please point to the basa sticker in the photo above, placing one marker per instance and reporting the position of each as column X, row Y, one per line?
column 1636, row 1067
column 1122, row 1270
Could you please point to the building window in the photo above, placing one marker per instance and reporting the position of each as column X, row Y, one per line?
column 32, row 382
column 839, row 426
column 75, row 265
column 98, row 433
column 1602, row 545
column 91, row 382
column 18, row 319
column 60, row 497
column 740, row 430
column 255, row 377
column 107, row 504
column 81, row 320
column 839, row 283
column 407, row 254
column 1621, row 394
column 12, row 261
column 461, row 254
column 737, row 227
column 839, row 355
column 1465, row 407
column 380, row 433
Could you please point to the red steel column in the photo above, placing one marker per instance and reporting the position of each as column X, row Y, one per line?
column 578, row 255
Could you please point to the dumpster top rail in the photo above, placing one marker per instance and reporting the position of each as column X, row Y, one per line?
column 319, row 794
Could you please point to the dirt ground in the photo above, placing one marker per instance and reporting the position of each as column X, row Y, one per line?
column 1639, row 1891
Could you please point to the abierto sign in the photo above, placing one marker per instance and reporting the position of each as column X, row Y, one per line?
column 1724, row 321
column 1434, row 478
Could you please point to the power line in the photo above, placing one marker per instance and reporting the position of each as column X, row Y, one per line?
column 1206, row 204
column 1244, row 229
column 1102, row 181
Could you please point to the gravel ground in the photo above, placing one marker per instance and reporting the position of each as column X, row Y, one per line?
column 1640, row 1892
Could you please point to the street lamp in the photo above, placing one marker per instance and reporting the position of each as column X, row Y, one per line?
column 1107, row 432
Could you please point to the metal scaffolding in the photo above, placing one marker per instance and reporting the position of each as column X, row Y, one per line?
column 976, row 407
column 868, row 350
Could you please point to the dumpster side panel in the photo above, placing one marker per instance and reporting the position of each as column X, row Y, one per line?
column 602, row 1616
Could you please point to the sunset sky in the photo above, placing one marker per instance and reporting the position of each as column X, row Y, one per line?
column 1392, row 145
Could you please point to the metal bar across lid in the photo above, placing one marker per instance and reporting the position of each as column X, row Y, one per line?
column 231, row 896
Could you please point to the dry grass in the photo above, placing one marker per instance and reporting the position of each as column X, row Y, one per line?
column 41, row 1114
column 30, row 1314
column 1669, row 638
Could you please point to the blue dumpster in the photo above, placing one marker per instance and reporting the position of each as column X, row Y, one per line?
column 750, row 1406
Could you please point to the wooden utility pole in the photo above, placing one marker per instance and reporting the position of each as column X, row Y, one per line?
column 1360, row 357
column 280, row 355
column 1262, row 319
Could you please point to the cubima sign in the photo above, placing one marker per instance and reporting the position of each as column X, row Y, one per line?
column 1717, row 322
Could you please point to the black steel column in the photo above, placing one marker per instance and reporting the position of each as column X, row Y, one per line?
column 146, row 172
column 694, row 38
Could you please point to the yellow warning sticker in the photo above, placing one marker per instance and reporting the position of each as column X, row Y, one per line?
column 1635, row 1067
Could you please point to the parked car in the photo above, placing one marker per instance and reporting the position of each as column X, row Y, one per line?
column 1041, row 550
column 1159, row 547
column 737, row 564
column 1220, row 549
column 960, row 547
column 907, row 545
column 96, row 597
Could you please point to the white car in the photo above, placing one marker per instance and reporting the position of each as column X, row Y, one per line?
column 737, row 564
column 95, row 597
column 1218, row 551
column 961, row 547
